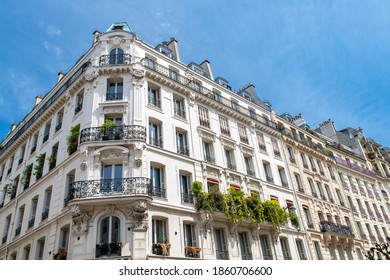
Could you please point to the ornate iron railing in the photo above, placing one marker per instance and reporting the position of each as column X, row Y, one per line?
column 112, row 59
column 126, row 186
column 124, row 132
column 45, row 214
column 222, row 254
column 187, row 198
column 108, row 249
column 327, row 226
column 246, row 256
column 31, row 222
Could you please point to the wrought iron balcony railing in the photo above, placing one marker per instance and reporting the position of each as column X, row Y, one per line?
column 18, row 230
column 58, row 126
column 4, row 239
column 45, row 214
column 222, row 254
column 108, row 249
column 209, row 159
column 204, row 122
column 183, row 151
column 246, row 256
column 180, row 113
column 231, row 166
column 158, row 142
column 78, row 108
column 110, row 96
column 250, row 173
column 113, row 59
column 327, row 226
column 187, row 198
column 115, row 133
column 159, row 191
column 244, row 139
column 31, row 222
column 121, row 186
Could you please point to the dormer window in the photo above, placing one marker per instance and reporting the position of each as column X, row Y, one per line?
column 198, row 69
column 165, row 50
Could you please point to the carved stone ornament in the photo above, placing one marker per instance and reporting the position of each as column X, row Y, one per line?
column 116, row 41
column 110, row 208
column 91, row 73
column 138, row 215
column 80, row 220
column 138, row 70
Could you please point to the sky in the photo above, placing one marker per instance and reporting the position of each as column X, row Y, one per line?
column 322, row 59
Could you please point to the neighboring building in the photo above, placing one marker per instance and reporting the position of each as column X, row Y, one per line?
column 102, row 167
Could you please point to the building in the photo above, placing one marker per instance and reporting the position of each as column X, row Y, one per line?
column 103, row 165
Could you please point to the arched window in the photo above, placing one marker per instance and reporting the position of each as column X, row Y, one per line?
column 116, row 56
column 109, row 242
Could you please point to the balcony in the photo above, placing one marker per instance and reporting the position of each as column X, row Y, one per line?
column 159, row 191
column 31, row 222
column 244, row 139
column 45, row 214
column 192, row 252
column 18, row 230
column 113, row 59
column 156, row 142
column 277, row 153
column 108, row 249
column 222, row 254
column 183, row 151
column 110, row 96
column 180, row 113
column 204, row 122
column 270, row 179
column 262, row 147
column 4, row 239
column 187, row 198
column 231, row 166
column 354, row 166
column 136, row 186
column 246, row 256
column 327, row 226
column 209, row 159
column 250, row 173
column 225, row 131
column 117, row 133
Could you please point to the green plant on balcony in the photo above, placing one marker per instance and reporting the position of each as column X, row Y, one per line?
column 294, row 219
column 27, row 175
column 107, row 125
column 52, row 162
column 38, row 168
column 235, row 205
column 274, row 214
column 72, row 139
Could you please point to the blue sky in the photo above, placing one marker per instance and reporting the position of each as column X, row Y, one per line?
column 323, row 59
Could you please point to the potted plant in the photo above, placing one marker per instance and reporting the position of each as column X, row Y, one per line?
column 39, row 166
column 52, row 162
column 60, row 255
column 107, row 129
column 72, row 139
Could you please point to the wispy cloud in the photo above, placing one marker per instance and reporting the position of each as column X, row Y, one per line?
column 52, row 48
column 50, row 29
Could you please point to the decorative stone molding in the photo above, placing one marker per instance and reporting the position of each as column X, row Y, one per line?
column 84, row 160
column 116, row 41
column 80, row 219
column 91, row 73
column 209, row 135
column 138, row 151
column 138, row 215
column 110, row 208
column 228, row 143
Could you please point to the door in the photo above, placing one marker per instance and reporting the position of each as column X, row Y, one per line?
column 112, row 178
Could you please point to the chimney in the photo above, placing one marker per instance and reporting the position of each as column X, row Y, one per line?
column 207, row 68
column 95, row 36
column 174, row 47
column 13, row 126
column 60, row 76
column 38, row 99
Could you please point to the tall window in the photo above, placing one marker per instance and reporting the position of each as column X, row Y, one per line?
column 304, row 162
column 244, row 246
column 261, row 141
column 155, row 137
column 320, row 167
column 301, row 249
column 157, row 178
column 248, row 166
column 204, row 119
column 221, row 247
column 208, row 152
column 46, row 132
column 312, row 187
column 26, row 252
column 299, row 182
column 46, row 205
column 21, row 155
column 40, row 248
column 112, row 178
column 186, row 195
column 331, row 172
column 309, row 221
column 109, row 237
column 282, row 175
column 114, row 91
column 34, row 143
column 265, row 247
column 34, row 205
column 6, row 229
column 230, row 163
column 312, row 163
column 242, row 133
column 53, row 158
column 317, row 248
column 178, row 107
column 322, row 195
column 285, row 248
column 291, row 154
column 116, row 56
column 60, row 117
column 275, row 147
column 189, row 235
column 20, row 220
column 268, row 172
column 154, row 96
column 235, row 105
column 181, row 143
column 329, row 193
column 79, row 103
column 224, row 125
column 159, row 231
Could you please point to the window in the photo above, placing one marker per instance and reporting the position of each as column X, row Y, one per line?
column 320, row 167
column 190, row 241
column 349, row 253
column 208, row 152
column 282, row 175
column 60, row 117
column 248, row 166
column 312, row 164
column 299, row 183
column 109, row 237
column 224, row 125
column 53, row 158
column 318, row 250
column 34, row 204
column 46, row 132
column 112, row 178
column 10, row 164
column 178, row 107
column 69, row 190
column 6, row 229
column 221, row 245
column 252, row 113
column 301, row 249
column 26, row 252
column 332, row 252
column 46, row 205
column 64, row 238
column 204, row 119
column 291, row 154
column 268, row 172
column 340, row 198
column 116, row 56
column 235, row 105
column 341, row 252
column 14, row 187
column 260, row 141
column 329, row 194
column 303, row 157
column 21, row 156
column 40, row 248
column 154, row 96
column 186, row 195
column 181, row 143
column 244, row 246
column 173, row 74
column 275, row 147
column 157, row 180
column 159, row 231
column 229, row 156
column 242, row 133
column 20, row 220
column 114, row 91
column 265, row 247
column 79, row 103
column 322, row 195
column 34, row 143
column 2, row 172
column 312, row 187
column 155, row 136
column 331, row 172
column 285, row 248
column 307, row 216
column 359, row 253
